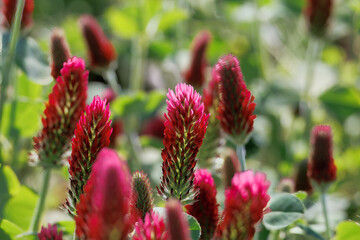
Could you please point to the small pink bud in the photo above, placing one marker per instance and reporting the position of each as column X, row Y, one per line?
column 59, row 52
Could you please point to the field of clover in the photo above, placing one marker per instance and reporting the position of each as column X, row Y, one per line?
column 180, row 119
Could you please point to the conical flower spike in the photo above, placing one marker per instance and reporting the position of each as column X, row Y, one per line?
column 302, row 181
column 91, row 135
column 50, row 233
column 205, row 208
column 59, row 52
column 317, row 14
column 66, row 102
column 104, row 205
column 177, row 225
column 152, row 228
column 185, row 127
column 244, row 206
column 9, row 9
column 322, row 167
column 236, row 105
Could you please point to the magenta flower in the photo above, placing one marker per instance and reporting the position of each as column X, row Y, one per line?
column 244, row 205
column 91, row 135
column 66, row 102
column 205, row 207
column 185, row 127
column 9, row 9
column 152, row 228
column 59, row 52
column 177, row 225
column 50, row 233
column 317, row 14
column 103, row 207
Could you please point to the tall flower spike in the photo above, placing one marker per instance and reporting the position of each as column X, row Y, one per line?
column 66, row 102
column 152, row 228
column 205, row 207
column 59, row 52
column 236, row 105
column 195, row 76
column 185, row 127
column 317, row 13
column 322, row 167
column 92, row 133
column 141, row 198
column 177, row 226
column 104, row 205
column 9, row 9
column 302, row 181
column 50, row 233
column 100, row 49
column 244, row 206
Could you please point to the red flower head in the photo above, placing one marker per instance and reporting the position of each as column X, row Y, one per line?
column 211, row 93
column 50, row 233
column 321, row 165
column 141, row 198
column 205, row 208
column 152, row 228
column 9, row 10
column 154, row 127
column 236, row 105
column 66, row 102
column 302, row 181
column 109, row 95
column 104, row 205
column 244, row 205
column 185, row 127
column 177, row 225
column 230, row 167
column 92, row 133
column 195, row 76
column 100, row 49
column 317, row 13
column 59, row 52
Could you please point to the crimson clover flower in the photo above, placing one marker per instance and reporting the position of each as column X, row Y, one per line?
column 244, row 205
column 104, row 206
column 177, row 225
column 9, row 9
column 317, row 13
column 50, row 233
column 302, row 181
column 236, row 103
column 321, row 166
column 151, row 228
column 205, row 207
column 59, row 52
column 230, row 167
column 66, row 102
column 185, row 127
column 92, row 134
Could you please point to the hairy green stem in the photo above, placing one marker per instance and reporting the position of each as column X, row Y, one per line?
column 35, row 221
column 323, row 204
column 241, row 152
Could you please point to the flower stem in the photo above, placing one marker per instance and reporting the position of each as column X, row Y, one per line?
column 110, row 76
column 35, row 221
column 241, row 152
column 323, row 203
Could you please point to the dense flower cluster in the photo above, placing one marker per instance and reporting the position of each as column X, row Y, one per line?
column 177, row 225
column 152, row 228
column 185, row 127
column 66, row 103
column 9, row 9
column 59, row 52
column 302, row 181
column 50, row 233
column 317, row 13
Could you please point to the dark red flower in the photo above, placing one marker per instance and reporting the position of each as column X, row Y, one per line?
column 50, row 233
column 230, row 167
column 59, row 52
column 205, row 207
column 154, row 127
column 118, row 129
column 185, row 127
column 152, row 228
column 321, row 165
column 244, row 206
column 92, row 133
column 103, row 207
column 302, row 181
column 66, row 102
column 177, row 225
column 100, row 49
column 211, row 93
column 9, row 9
column 109, row 95
column 195, row 76
column 236, row 105
column 317, row 13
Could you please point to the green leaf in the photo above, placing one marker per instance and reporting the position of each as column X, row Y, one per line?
column 9, row 230
column 285, row 209
column 310, row 232
column 67, row 227
column 9, row 186
column 341, row 102
column 171, row 18
column 347, row 230
column 122, row 23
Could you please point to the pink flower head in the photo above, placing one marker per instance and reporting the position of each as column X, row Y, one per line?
column 317, row 13
column 59, row 52
column 185, row 127
column 236, row 105
column 50, row 233
column 195, row 76
column 92, row 134
column 100, row 49
column 321, row 166
column 109, row 95
column 205, row 207
column 66, row 102
column 177, row 225
column 152, row 228
column 9, row 10
column 103, row 207
column 244, row 205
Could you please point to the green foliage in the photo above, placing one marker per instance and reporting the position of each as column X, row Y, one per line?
column 347, row 230
column 67, row 227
